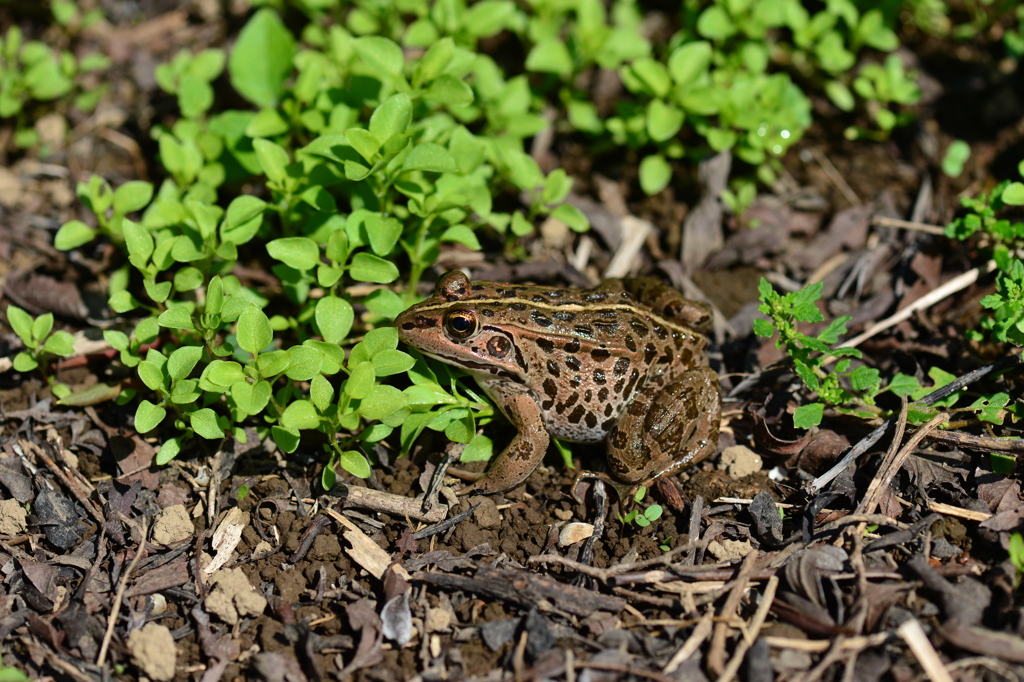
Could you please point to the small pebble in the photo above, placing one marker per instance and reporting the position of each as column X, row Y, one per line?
column 574, row 532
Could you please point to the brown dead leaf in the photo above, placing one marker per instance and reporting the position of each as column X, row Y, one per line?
column 40, row 294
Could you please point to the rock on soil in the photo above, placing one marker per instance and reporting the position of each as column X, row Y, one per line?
column 153, row 650
column 172, row 525
column 12, row 518
column 739, row 461
column 233, row 597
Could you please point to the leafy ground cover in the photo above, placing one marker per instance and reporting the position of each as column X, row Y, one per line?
column 214, row 445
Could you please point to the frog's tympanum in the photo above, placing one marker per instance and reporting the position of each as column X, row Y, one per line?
column 622, row 363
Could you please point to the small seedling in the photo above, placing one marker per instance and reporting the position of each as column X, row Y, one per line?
column 1016, row 551
column 40, row 343
column 642, row 518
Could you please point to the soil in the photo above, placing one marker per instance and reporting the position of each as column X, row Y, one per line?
column 233, row 564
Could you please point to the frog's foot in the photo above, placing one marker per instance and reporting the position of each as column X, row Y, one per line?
column 623, row 491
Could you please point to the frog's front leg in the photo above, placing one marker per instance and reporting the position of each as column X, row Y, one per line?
column 526, row 451
column 667, row 428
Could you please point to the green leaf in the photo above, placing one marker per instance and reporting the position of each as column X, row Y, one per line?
column 41, row 327
column 550, row 56
column 361, row 380
column 24, row 362
column 381, row 402
column 461, row 234
column 60, row 343
column 254, row 333
column 1013, row 195
column 392, row 117
column 380, row 54
column 73, row 234
column 267, row 123
column 806, row 416
column 763, row 328
column 181, row 362
column 430, row 157
column 383, row 232
column 148, row 416
column 663, row 120
column 388, row 362
column 286, row 439
column 655, row 174
column 449, row 91
column 273, row 159
column 204, row 423
column 321, row 392
column 571, row 216
column 251, row 398
column 480, row 448
column 132, row 196
column 262, row 59
column 435, row 61
column 304, row 362
column 151, row 374
column 689, row 62
column 364, row 142
column 21, row 322
column 300, row 415
column 334, row 316
column 176, row 317
column 301, row 253
column 168, row 451
column 355, row 463
column 366, row 267
column 242, row 219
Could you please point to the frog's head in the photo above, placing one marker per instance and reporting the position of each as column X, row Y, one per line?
column 454, row 326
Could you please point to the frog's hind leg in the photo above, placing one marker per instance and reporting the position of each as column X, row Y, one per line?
column 667, row 428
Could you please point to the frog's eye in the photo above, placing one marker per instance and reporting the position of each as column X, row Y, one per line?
column 461, row 324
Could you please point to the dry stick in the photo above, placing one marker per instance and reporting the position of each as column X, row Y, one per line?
column 691, row 645
column 952, row 286
column 116, row 608
column 716, row 654
column 933, row 397
column 913, row 634
column 755, row 626
column 893, row 463
column 882, row 221
column 836, row 177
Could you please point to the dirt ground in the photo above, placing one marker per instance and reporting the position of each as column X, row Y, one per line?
column 234, row 564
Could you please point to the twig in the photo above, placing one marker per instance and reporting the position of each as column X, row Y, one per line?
column 882, row 221
column 836, row 177
column 894, row 462
column 625, row 670
column 116, row 608
column 913, row 634
column 950, row 510
column 952, row 286
column 438, row 528
column 860, row 448
column 750, row 635
column 389, row 503
column 716, row 653
column 691, row 645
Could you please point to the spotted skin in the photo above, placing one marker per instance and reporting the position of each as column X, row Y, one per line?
column 622, row 362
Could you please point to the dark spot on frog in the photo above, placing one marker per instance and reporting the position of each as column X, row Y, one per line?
column 518, row 306
column 408, row 325
column 621, row 367
column 608, row 408
column 573, row 363
column 588, row 395
column 553, row 368
column 599, row 377
column 600, row 354
column 478, row 287
column 667, row 357
column 572, row 347
column 572, row 400
column 540, row 319
column 487, row 312
column 609, row 314
column 649, row 352
column 618, row 386
column 617, row 438
column 506, row 293
column 660, row 331
column 630, row 343
column 554, row 293
column 545, row 345
column 607, row 327
column 565, row 317
column 576, row 381
column 607, row 424
column 639, row 327
column 584, row 330
column 602, row 396
column 590, row 419
column 595, row 297
column 550, row 389
column 631, row 385
column 576, row 415
column 499, row 346
column 537, row 298
column 424, row 322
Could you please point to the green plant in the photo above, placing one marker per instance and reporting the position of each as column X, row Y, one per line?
column 11, row 674
column 41, row 341
column 645, row 517
column 364, row 165
column 846, row 388
column 1016, row 552
column 956, row 156
column 33, row 71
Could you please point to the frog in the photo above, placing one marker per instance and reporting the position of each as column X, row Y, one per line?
column 621, row 363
